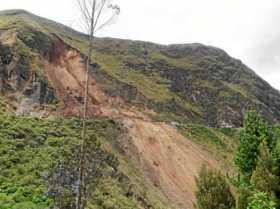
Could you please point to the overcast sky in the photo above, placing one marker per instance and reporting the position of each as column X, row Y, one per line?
column 247, row 29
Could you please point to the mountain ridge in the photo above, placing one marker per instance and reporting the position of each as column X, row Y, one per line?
column 180, row 82
column 158, row 95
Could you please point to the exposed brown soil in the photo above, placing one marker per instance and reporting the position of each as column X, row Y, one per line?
column 66, row 73
column 8, row 36
column 167, row 159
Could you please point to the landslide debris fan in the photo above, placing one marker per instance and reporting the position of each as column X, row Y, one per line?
column 41, row 68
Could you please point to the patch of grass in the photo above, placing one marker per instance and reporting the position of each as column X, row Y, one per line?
column 111, row 194
column 188, row 105
column 8, row 21
column 230, row 132
column 153, row 86
column 28, row 148
column 22, row 49
column 207, row 84
column 237, row 88
column 183, row 63
column 202, row 133
column 220, row 142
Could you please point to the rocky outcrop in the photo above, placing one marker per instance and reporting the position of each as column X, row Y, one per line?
column 140, row 85
column 183, row 83
column 20, row 80
column 6, row 57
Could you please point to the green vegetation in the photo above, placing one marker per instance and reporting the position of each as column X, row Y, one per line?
column 22, row 49
column 220, row 142
column 256, row 130
column 264, row 177
column 213, row 191
column 187, row 105
column 237, row 88
column 111, row 195
column 194, row 84
column 257, row 161
column 203, row 134
column 261, row 200
column 257, row 185
column 30, row 147
column 7, row 21
column 152, row 86
column 180, row 82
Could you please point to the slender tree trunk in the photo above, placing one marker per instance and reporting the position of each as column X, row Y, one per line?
column 91, row 14
column 79, row 198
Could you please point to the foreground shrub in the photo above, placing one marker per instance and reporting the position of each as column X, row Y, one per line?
column 213, row 191
column 261, row 200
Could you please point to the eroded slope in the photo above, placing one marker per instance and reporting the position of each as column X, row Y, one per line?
column 167, row 160
column 185, row 83
column 42, row 73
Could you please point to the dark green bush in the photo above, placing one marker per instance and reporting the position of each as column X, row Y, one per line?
column 213, row 191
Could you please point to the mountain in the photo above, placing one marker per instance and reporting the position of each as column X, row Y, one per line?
column 165, row 107
column 190, row 82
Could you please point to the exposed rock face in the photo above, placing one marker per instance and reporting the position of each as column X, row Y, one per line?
column 20, row 80
column 183, row 83
column 135, row 83
column 5, row 59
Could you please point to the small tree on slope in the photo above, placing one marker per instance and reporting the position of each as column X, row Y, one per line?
column 264, row 178
column 213, row 191
column 94, row 18
column 256, row 130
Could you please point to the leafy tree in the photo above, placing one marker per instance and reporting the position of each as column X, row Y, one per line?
column 276, row 151
column 256, row 130
column 213, row 190
column 94, row 18
column 255, row 125
column 256, row 159
column 276, row 169
column 244, row 192
column 247, row 154
column 264, row 178
column 261, row 200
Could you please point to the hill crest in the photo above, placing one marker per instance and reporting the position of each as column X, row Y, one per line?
column 183, row 83
column 152, row 91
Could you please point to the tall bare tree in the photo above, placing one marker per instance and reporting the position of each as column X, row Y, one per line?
column 96, row 14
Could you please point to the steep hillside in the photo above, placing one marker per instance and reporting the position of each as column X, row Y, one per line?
column 31, row 147
column 190, row 83
column 151, row 91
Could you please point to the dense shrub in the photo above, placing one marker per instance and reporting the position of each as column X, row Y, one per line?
column 264, row 177
column 213, row 191
column 261, row 200
column 255, row 131
column 30, row 147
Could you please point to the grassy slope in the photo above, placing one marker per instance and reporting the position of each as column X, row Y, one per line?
column 219, row 142
column 146, row 67
column 21, row 181
column 28, row 148
column 111, row 64
column 113, row 55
